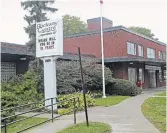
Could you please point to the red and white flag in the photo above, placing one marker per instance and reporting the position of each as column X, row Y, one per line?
column 101, row 1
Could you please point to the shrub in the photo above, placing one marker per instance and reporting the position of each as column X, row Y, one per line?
column 8, row 100
column 69, row 104
column 69, row 77
column 123, row 87
column 95, row 94
column 25, row 88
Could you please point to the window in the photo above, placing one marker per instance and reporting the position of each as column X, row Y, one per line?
column 7, row 71
column 150, row 53
column 160, row 75
column 164, row 74
column 140, row 50
column 131, row 48
column 141, row 74
column 132, row 74
column 162, row 55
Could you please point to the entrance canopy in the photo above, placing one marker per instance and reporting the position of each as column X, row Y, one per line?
column 146, row 61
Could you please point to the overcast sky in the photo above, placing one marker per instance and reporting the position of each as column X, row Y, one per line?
column 145, row 13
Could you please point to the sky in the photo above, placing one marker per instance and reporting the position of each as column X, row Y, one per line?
column 144, row 13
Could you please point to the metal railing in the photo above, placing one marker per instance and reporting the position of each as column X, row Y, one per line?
column 5, row 119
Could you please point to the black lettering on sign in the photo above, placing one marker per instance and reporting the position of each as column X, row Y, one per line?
column 48, row 43
column 52, row 42
column 49, row 47
column 41, row 48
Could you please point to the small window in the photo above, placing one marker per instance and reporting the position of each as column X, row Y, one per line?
column 150, row 53
column 140, row 50
column 131, row 48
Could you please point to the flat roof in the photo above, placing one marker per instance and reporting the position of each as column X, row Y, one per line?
column 134, row 59
column 16, row 49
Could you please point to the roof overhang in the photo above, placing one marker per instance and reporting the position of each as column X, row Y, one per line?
column 147, row 61
column 7, row 57
column 75, row 57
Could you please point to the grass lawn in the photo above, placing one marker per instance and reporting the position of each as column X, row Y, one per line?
column 94, row 127
column 154, row 109
column 161, row 94
column 110, row 100
column 23, row 124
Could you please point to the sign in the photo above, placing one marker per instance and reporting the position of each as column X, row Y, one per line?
column 49, row 38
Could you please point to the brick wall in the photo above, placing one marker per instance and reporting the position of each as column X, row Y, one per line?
column 117, row 70
column 114, row 44
column 126, row 36
column 91, row 44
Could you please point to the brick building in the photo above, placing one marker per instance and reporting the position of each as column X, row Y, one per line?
column 14, row 60
column 129, row 55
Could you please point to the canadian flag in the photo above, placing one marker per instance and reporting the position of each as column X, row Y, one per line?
column 101, row 1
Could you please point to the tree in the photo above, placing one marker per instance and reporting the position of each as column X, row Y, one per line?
column 144, row 31
column 37, row 12
column 73, row 24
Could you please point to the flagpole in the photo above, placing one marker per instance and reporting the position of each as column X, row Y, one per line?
column 102, row 50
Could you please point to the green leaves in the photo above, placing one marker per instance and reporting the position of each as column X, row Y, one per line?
column 36, row 13
column 143, row 31
column 8, row 99
column 69, row 77
column 123, row 87
column 25, row 88
column 73, row 25
column 70, row 104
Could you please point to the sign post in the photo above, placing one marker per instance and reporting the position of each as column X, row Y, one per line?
column 83, row 88
column 49, row 46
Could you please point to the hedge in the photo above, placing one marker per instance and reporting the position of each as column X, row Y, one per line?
column 123, row 87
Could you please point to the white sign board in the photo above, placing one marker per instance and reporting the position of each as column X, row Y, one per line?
column 49, row 38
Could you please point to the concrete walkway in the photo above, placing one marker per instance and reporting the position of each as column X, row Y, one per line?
column 125, row 117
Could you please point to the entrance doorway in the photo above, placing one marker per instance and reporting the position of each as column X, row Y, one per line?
column 152, row 79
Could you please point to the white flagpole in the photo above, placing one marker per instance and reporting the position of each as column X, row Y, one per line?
column 102, row 50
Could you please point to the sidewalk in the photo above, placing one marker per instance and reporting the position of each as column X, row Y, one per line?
column 125, row 117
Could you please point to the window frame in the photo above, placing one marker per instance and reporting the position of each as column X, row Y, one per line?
column 135, row 79
column 129, row 51
column 150, row 55
column 142, row 50
column 163, row 55
column 8, row 70
column 142, row 74
column 160, row 55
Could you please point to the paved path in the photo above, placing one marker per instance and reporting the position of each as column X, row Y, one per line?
column 125, row 117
